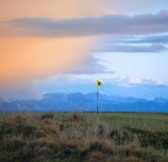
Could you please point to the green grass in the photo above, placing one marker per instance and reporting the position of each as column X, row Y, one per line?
column 65, row 137
column 151, row 121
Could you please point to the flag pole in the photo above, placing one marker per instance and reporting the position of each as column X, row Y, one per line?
column 97, row 100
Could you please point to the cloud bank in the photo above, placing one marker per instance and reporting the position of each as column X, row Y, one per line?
column 149, row 39
column 93, row 26
column 130, row 48
column 25, row 59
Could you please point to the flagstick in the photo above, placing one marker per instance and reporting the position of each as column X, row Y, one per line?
column 97, row 100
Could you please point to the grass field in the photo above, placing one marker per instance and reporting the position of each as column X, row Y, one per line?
column 84, row 137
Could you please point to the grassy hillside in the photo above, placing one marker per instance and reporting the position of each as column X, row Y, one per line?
column 68, row 137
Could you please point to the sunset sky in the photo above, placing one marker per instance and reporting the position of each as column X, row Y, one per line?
column 66, row 45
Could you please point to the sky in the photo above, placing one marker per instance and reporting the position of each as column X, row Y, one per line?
column 66, row 45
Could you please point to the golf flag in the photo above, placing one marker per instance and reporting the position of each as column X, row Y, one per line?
column 99, row 83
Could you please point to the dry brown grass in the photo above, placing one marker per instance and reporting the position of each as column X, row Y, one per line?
column 72, row 137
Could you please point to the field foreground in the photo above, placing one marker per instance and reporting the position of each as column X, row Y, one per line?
column 84, row 137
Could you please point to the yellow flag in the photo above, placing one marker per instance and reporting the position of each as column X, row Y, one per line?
column 99, row 83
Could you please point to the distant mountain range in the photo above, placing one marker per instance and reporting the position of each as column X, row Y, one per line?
column 62, row 102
